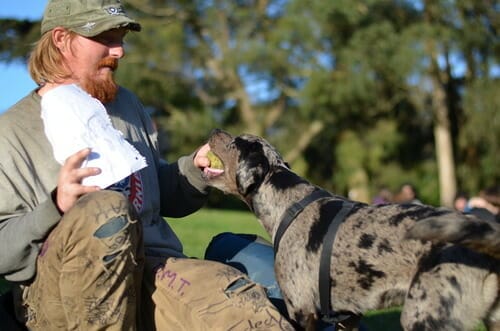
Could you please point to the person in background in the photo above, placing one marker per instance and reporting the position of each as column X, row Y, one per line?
column 460, row 202
column 407, row 194
column 485, row 205
column 384, row 196
column 85, row 258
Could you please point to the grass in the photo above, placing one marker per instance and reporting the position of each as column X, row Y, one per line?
column 4, row 286
column 198, row 229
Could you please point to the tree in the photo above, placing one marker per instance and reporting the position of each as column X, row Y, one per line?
column 356, row 94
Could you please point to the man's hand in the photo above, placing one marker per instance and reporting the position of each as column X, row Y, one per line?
column 203, row 162
column 69, row 182
column 200, row 159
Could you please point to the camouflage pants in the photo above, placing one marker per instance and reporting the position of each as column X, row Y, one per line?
column 92, row 275
column 89, row 270
column 191, row 294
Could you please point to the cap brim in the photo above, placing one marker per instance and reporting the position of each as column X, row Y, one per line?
column 116, row 22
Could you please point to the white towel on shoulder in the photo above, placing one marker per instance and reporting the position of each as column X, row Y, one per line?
column 74, row 120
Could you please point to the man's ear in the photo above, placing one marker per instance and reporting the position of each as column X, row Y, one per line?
column 60, row 38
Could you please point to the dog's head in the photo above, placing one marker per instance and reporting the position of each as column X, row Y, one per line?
column 247, row 161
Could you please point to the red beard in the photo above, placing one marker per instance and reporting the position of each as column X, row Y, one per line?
column 104, row 90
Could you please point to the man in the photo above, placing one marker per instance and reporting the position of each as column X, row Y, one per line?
column 86, row 258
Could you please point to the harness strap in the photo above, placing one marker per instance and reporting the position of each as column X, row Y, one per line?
column 327, row 314
column 294, row 210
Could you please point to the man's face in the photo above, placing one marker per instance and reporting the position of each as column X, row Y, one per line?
column 94, row 60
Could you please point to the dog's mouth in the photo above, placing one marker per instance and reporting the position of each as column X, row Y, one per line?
column 216, row 167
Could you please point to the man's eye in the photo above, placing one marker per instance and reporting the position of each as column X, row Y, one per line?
column 108, row 41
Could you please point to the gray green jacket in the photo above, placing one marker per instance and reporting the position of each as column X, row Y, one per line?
column 28, row 176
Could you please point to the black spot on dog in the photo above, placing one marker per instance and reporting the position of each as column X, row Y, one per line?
column 423, row 295
column 318, row 231
column 256, row 166
column 431, row 323
column 357, row 225
column 477, row 230
column 446, row 305
column 249, row 150
column 366, row 241
column 392, row 297
column 367, row 274
column 414, row 212
column 454, row 283
column 284, row 180
column 333, row 282
column 384, row 247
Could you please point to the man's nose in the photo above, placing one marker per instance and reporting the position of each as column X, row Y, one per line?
column 117, row 51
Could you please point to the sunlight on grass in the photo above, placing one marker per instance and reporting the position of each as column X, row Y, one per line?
column 198, row 229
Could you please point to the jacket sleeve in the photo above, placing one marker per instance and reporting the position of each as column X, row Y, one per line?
column 182, row 189
column 22, row 231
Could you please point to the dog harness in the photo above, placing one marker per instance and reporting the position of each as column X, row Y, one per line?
column 327, row 314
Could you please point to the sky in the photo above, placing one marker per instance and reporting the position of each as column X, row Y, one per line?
column 15, row 82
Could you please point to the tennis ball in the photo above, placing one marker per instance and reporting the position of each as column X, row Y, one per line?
column 215, row 162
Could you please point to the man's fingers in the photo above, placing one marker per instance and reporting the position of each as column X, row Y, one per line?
column 81, row 173
column 71, row 168
column 76, row 160
column 200, row 159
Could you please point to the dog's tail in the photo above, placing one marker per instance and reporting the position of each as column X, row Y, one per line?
column 474, row 233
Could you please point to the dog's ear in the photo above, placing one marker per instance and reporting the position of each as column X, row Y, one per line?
column 273, row 156
column 253, row 166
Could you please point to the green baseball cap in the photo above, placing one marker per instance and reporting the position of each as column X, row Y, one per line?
column 87, row 17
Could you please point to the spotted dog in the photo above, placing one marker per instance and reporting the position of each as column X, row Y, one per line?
column 380, row 256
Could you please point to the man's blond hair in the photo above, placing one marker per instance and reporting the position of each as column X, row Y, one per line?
column 46, row 63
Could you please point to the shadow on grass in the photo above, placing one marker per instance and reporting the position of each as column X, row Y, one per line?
column 383, row 320
column 4, row 286
column 388, row 320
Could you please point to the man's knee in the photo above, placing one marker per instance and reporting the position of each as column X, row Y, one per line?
column 102, row 223
column 104, row 214
column 208, row 295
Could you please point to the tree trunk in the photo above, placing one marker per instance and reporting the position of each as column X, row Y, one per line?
column 444, row 147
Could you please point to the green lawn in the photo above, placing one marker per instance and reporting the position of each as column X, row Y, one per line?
column 198, row 229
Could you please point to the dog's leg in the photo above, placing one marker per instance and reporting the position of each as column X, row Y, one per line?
column 350, row 324
column 311, row 323
column 492, row 326
column 448, row 297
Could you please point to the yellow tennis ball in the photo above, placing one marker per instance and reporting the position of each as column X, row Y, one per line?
column 215, row 162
